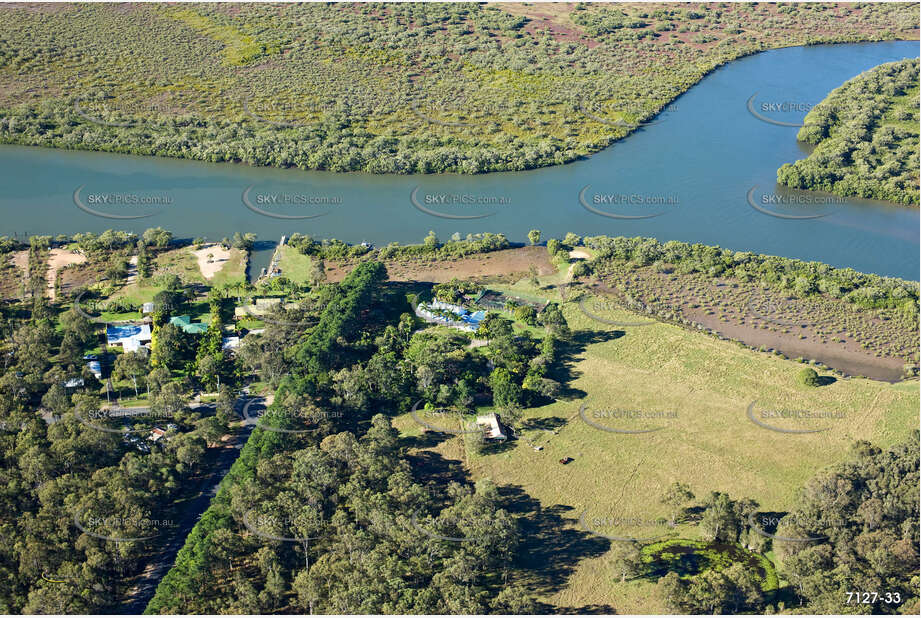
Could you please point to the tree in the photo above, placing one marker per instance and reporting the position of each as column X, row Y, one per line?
column 131, row 365
column 627, row 559
column 863, row 515
column 580, row 269
column 534, row 236
column 168, row 400
column 709, row 592
column 56, row 399
column 316, row 271
column 243, row 242
column 189, row 449
column 144, row 266
column 553, row 246
column 158, row 237
column 168, row 302
column 208, row 368
column 745, row 589
column 676, row 496
column 719, row 521
column 275, row 587
column 572, row 240
column 673, row 592
column 506, row 393
column 494, row 326
column 526, row 314
column 211, row 429
column 171, row 347
column 554, row 321
column 808, row 377
column 514, row 600
column 116, row 269
column 533, row 275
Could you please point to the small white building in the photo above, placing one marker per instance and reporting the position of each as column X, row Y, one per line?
column 491, row 426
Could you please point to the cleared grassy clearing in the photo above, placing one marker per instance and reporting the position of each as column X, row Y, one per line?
column 294, row 265
column 183, row 263
column 711, row 445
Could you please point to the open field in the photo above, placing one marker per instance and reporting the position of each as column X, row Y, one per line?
column 879, row 343
column 710, row 443
column 57, row 269
column 213, row 258
column 57, row 260
column 192, row 266
column 294, row 265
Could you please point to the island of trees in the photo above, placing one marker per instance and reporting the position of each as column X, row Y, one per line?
column 866, row 138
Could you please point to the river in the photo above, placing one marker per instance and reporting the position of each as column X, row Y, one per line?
column 694, row 168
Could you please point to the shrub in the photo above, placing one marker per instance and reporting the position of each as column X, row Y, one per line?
column 808, row 377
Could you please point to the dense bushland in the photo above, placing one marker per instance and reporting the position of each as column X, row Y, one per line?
column 866, row 138
column 401, row 88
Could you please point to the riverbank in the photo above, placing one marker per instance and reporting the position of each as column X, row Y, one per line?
column 877, row 344
column 663, row 160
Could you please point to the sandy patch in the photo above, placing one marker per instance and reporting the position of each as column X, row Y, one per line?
column 210, row 266
column 132, row 270
column 21, row 260
column 58, row 259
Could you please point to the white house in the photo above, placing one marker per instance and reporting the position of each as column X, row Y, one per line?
column 130, row 336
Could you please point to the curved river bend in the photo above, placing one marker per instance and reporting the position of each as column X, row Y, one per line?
column 697, row 163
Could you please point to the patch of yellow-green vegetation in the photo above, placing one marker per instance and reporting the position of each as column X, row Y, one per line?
column 239, row 47
column 708, row 441
column 139, row 292
column 180, row 262
column 899, row 114
column 250, row 323
column 132, row 402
